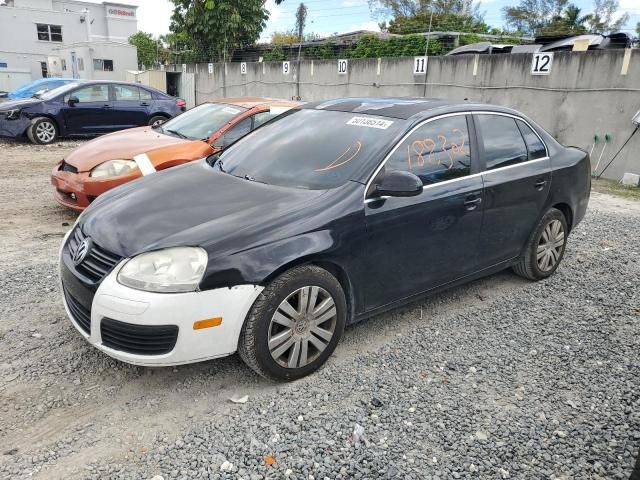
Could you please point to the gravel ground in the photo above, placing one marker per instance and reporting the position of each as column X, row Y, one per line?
column 501, row 378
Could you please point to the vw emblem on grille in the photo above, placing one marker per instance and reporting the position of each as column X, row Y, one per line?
column 82, row 251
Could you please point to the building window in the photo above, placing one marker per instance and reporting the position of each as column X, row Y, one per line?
column 63, row 64
column 49, row 33
column 80, row 64
column 103, row 65
column 3, row 65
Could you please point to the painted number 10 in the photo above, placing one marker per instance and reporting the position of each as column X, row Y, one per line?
column 419, row 65
column 342, row 67
column 541, row 63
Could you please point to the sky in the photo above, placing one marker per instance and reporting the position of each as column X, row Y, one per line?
column 326, row 17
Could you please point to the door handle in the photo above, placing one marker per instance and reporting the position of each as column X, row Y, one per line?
column 540, row 184
column 106, row 106
column 144, row 104
column 472, row 202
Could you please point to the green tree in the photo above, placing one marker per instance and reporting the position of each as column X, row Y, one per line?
column 569, row 22
column 414, row 16
column 638, row 28
column 531, row 16
column 604, row 13
column 150, row 51
column 215, row 28
column 301, row 21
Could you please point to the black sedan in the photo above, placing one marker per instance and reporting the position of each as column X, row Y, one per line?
column 86, row 108
column 337, row 211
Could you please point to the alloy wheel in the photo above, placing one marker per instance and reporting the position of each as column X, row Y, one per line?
column 46, row 132
column 550, row 245
column 302, row 327
column 157, row 122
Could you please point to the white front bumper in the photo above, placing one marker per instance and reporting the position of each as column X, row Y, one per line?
column 128, row 305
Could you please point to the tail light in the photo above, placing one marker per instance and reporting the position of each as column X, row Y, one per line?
column 181, row 103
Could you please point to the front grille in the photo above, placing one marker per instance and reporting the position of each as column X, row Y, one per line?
column 98, row 261
column 138, row 339
column 80, row 314
column 65, row 167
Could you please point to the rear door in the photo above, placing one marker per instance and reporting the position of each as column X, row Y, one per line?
column 93, row 112
column 131, row 108
column 417, row 243
column 517, row 178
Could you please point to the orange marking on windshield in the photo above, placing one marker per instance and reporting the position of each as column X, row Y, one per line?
column 335, row 163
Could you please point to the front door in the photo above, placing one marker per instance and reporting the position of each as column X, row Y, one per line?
column 517, row 179
column 92, row 113
column 418, row 243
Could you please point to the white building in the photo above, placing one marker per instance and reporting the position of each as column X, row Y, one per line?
column 65, row 38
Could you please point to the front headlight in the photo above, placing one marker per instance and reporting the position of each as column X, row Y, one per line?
column 113, row 168
column 172, row 270
column 12, row 114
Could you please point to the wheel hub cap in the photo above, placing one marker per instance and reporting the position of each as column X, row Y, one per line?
column 302, row 327
column 550, row 246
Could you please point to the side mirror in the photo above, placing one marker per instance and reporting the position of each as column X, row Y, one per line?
column 399, row 184
column 73, row 101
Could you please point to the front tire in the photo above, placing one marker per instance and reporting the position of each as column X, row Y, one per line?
column 294, row 325
column 42, row 131
column 545, row 248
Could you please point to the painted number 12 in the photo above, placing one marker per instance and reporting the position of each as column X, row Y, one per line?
column 541, row 63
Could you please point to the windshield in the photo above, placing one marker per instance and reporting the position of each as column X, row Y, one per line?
column 29, row 88
column 202, row 121
column 312, row 149
column 51, row 94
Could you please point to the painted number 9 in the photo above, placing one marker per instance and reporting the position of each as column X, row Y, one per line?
column 285, row 68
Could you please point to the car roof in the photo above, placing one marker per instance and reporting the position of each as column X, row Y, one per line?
column 400, row 107
column 250, row 102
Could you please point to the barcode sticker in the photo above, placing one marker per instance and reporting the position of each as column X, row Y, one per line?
column 370, row 122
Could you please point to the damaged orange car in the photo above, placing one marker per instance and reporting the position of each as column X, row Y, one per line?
column 120, row 157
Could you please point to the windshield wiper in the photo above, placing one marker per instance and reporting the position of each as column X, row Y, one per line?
column 178, row 134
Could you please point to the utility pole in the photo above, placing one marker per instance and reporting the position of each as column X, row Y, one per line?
column 426, row 54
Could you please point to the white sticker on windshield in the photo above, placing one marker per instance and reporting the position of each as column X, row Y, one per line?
column 233, row 111
column 370, row 122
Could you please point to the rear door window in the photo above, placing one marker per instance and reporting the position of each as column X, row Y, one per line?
column 436, row 151
column 126, row 92
column 502, row 141
column 535, row 146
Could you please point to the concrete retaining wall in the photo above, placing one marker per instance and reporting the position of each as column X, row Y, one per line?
column 586, row 94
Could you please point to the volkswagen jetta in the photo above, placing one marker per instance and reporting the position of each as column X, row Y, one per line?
column 338, row 211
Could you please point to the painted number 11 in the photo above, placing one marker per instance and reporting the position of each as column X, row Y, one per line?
column 419, row 65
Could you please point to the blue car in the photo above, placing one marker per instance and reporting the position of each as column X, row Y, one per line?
column 38, row 87
column 86, row 109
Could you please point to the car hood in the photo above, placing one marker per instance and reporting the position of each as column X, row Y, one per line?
column 191, row 205
column 122, row 145
column 23, row 102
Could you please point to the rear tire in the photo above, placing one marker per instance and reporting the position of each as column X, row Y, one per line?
column 545, row 248
column 294, row 325
column 157, row 120
column 42, row 131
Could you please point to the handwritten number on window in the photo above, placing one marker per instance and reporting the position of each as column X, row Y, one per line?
column 417, row 149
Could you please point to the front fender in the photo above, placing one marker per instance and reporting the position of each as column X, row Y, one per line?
column 258, row 264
